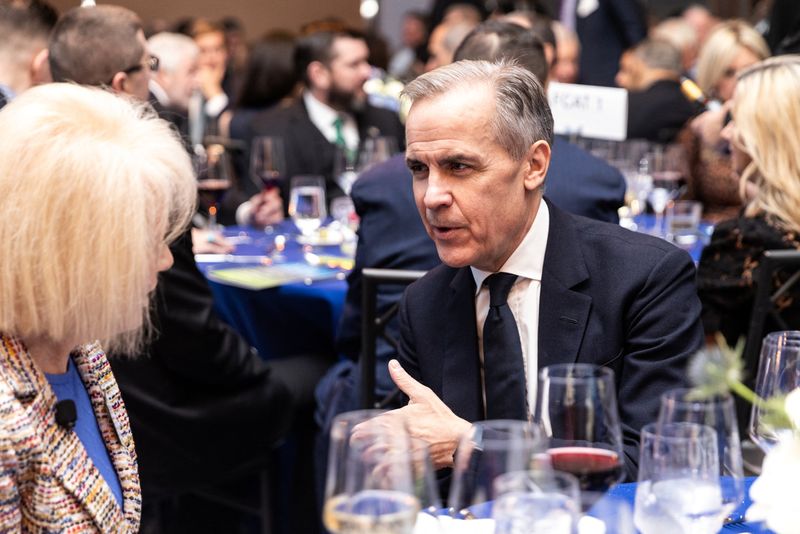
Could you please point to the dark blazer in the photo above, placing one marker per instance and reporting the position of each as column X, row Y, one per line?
column 307, row 150
column 390, row 236
column 608, row 296
column 612, row 28
column 203, row 405
column 659, row 112
column 583, row 184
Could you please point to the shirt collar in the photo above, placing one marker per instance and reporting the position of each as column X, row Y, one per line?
column 527, row 260
column 159, row 93
column 322, row 115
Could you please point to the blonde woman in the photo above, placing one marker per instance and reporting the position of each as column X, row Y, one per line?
column 92, row 189
column 731, row 47
column 766, row 155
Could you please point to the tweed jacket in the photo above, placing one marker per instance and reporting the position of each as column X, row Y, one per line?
column 48, row 483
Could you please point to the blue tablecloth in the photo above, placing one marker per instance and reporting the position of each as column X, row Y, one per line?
column 646, row 223
column 295, row 318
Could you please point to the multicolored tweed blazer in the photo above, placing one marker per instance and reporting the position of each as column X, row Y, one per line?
column 48, row 483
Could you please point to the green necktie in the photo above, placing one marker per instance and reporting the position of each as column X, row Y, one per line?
column 338, row 124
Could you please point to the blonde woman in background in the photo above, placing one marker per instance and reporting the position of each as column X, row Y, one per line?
column 731, row 47
column 92, row 189
column 766, row 155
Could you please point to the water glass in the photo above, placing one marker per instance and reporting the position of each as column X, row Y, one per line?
column 488, row 450
column 307, row 203
column 576, row 407
column 536, row 502
column 778, row 375
column 678, row 488
column 679, row 406
column 683, row 220
column 369, row 486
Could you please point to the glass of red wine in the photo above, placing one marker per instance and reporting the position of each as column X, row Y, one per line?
column 267, row 162
column 213, row 168
column 577, row 410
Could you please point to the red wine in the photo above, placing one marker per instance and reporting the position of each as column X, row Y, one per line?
column 270, row 179
column 596, row 469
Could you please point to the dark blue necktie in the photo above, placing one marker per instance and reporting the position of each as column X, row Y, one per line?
column 504, row 374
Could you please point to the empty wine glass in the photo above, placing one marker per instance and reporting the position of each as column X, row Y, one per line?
column 345, row 172
column 426, row 488
column 375, row 149
column 536, row 502
column 778, row 375
column 213, row 168
column 267, row 162
column 678, row 488
column 370, row 480
column 307, row 203
column 488, row 450
column 576, row 408
column 678, row 406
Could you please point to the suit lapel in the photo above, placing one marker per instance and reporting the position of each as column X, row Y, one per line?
column 563, row 309
column 461, row 375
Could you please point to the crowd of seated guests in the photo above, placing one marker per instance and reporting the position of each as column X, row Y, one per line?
column 203, row 406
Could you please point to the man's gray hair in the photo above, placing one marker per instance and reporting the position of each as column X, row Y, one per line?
column 659, row 54
column 172, row 49
column 522, row 113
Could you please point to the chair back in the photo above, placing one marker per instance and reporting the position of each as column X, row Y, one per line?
column 766, row 301
column 374, row 325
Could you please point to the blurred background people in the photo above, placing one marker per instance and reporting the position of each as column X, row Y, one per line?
column 443, row 41
column 731, row 47
column 657, row 108
column 171, row 86
column 568, row 52
column 408, row 62
column 60, row 146
column 766, row 157
column 23, row 48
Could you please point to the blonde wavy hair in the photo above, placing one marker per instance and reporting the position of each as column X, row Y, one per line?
column 766, row 111
column 720, row 50
column 91, row 187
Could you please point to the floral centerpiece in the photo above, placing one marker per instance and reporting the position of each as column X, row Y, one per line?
column 719, row 370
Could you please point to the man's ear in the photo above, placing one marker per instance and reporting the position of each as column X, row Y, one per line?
column 537, row 160
column 118, row 82
column 319, row 75
column 40, row 68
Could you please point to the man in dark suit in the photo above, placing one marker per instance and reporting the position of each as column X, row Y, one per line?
column 332, row 112
column 576, row 290
column 657, row 108
column 606, row 28
column 23, row 46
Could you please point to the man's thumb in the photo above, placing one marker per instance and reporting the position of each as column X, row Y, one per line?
column 413, row 389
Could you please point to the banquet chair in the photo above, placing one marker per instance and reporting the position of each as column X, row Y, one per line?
column 374, row 326
column 766, row 301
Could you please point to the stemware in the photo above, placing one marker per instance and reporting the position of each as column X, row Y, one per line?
column 488, row 450
column 267, row 162
column 678, row 488
column 370, row 479
column 778, row 374
column 213, row 169
column 577, row 409
column 307, row 203
column 536, row 502
column 678, row 406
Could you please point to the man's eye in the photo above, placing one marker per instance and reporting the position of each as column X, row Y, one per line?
column 456, row 166
column 417, row 168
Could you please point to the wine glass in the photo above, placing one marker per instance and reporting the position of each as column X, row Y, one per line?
column 778, row 374
column 307, row 203
column 609, row 513
column 267, row 162
column 678, row 488
column 490, row 449
column 426, row 488
column 370, row 480
column 577, row 409
column 536, row 502
column 376, row 149
column 667, row 174
column 678, row 406
column 344, row 169
column 213, row 168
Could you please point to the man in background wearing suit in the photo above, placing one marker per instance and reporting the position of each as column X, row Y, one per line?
column 563, row 288
column 23, row 46
column 605, row 28
column 332, row 112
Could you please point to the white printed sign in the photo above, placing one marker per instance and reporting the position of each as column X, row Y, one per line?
column 589, row 111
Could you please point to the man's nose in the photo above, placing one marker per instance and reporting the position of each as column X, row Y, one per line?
column 438, row 192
